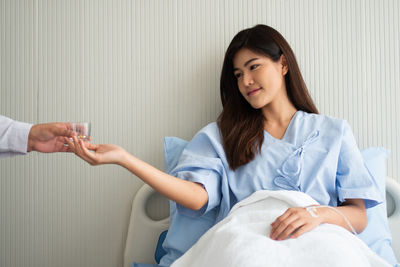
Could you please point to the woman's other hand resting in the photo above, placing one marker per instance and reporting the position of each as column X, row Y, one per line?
column 297, row 221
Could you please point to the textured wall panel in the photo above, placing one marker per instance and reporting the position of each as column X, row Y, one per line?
column 140, row 70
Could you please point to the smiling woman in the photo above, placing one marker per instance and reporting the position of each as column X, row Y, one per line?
column 261, row 81
column 259, row 58
column 270, row 137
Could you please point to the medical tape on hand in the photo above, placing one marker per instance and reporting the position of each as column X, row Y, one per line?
column 313, row 212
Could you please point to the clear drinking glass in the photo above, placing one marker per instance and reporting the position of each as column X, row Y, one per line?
column 82, row 130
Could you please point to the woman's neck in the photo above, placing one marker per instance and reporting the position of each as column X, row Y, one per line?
column 279, row 114
column 278, row 119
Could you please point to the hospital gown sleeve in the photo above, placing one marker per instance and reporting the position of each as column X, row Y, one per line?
column 201, row 163
column 353, row 178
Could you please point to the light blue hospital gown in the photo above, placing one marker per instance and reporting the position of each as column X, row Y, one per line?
column 317, row 155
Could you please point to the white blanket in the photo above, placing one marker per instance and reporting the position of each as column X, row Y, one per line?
column 242, row 239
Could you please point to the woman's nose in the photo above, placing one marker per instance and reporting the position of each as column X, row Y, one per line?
column 247, row 79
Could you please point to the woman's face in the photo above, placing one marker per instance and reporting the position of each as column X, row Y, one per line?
column 261, row 81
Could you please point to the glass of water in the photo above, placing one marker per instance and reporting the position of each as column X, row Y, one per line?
column 82, row 130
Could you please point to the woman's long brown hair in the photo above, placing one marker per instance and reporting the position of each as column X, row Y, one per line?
column 242, row 126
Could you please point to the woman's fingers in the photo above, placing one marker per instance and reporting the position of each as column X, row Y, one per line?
column 83, row 150
column 303, row 229
column 89, row 155
column 90, row 146
column 290, row 229
column 281, row 218
column 294, row 222
column 282, row 225
column 78, row 150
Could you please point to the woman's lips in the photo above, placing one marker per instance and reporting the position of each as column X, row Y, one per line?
column 252, row 92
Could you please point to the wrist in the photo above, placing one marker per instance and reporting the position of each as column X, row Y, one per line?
column 324, row 214
column 318, row 212
column 124, row 158
column 29, row 147
column 31, row 143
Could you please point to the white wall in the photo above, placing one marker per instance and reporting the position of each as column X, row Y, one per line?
column 140, row 70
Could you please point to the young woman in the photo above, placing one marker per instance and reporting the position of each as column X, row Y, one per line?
column 269, row 136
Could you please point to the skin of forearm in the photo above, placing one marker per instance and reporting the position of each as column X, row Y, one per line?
column 188, row 194
column 355, row 214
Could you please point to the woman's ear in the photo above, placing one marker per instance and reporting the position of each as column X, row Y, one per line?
column 285, row 67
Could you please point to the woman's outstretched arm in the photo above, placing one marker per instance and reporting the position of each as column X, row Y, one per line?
column 188, row 194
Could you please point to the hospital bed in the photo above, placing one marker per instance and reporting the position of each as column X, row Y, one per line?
column 150, row 217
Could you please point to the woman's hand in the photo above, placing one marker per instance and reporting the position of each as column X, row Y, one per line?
column 294, row 222
column 103, row 154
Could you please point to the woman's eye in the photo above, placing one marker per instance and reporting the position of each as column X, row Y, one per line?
column 252, row 67
column 237, row 75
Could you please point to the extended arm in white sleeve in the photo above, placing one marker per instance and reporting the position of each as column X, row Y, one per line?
column 13, row 137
